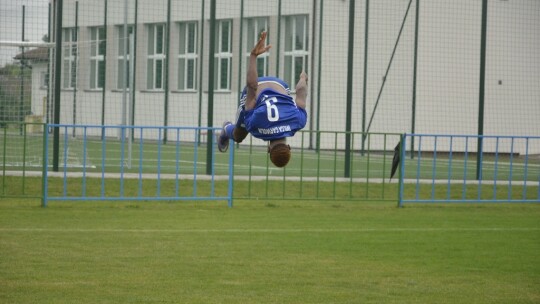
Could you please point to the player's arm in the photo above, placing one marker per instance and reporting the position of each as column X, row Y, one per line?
column 252, row 77
column 301, row 91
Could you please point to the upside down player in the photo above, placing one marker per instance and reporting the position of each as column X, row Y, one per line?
column 267, row 110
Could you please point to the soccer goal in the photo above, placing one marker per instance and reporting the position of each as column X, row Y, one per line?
column 24, row 69
column 26, row 92
column 24, row 81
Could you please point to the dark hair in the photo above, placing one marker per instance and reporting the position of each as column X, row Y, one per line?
column 280, row 154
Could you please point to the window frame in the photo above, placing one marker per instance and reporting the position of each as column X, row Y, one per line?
column 120, row 57
column 254, row 28
column 69, row 57
column 221, row 56
column 43, row 80
column 292, row 54
column 188, row 49
column 98, row 50
column 155, row 56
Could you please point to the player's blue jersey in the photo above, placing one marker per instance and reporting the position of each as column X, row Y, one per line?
column 275, row 116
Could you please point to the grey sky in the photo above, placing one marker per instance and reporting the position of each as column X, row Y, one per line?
column 11, row 12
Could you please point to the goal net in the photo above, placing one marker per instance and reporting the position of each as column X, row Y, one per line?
column 25, row 105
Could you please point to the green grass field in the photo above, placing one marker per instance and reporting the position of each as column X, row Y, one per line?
column 268, row 252
column 282, row 242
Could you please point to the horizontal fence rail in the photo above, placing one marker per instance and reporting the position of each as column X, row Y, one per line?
column 470, row 168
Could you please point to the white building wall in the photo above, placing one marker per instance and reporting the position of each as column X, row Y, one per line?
column 447, row 78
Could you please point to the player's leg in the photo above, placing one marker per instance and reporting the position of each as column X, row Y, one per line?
column 301, row 91
column 236, row 131
column 239, row 134
column 275, row 83
column 223, row 138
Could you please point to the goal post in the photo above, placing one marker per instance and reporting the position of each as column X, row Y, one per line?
column 7, row 43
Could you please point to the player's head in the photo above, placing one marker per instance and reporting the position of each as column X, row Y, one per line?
column 280, row 154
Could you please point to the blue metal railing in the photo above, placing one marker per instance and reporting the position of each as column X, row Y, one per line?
column 170, row 169
column 443, row 168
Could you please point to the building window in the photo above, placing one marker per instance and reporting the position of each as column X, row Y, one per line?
column 156, row 56
column 255, row 26
column 43, row 80
column 121, row 40
column 98, row 46
column 296, row 48
column 187, row 57
column 70, row 58
column 223, row 56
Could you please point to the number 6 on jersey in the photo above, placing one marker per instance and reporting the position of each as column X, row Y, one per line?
column 272, row 109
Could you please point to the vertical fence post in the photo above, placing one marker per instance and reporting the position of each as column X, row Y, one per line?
column 312, row 68
column 23, row 61
column 48, row 100
column 278, row 38
column 415, row 65
column 104, row 71
column 133, row 71
column 44, row 170
column 350, row 57
column 210, row 117
column 201, row 69
column 76, row 63
column 57, row 83
column 364, row 90
column 240, row 50
column 319, row 76
column 25, row 143
column 401, row 177
column 166, row 80
column 481, row 89
column 125, row 65
column 4, row 156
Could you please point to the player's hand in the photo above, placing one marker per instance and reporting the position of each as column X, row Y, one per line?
column 260, row 47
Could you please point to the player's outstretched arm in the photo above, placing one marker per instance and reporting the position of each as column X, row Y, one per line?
column 301, row 91
column 252, row 77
